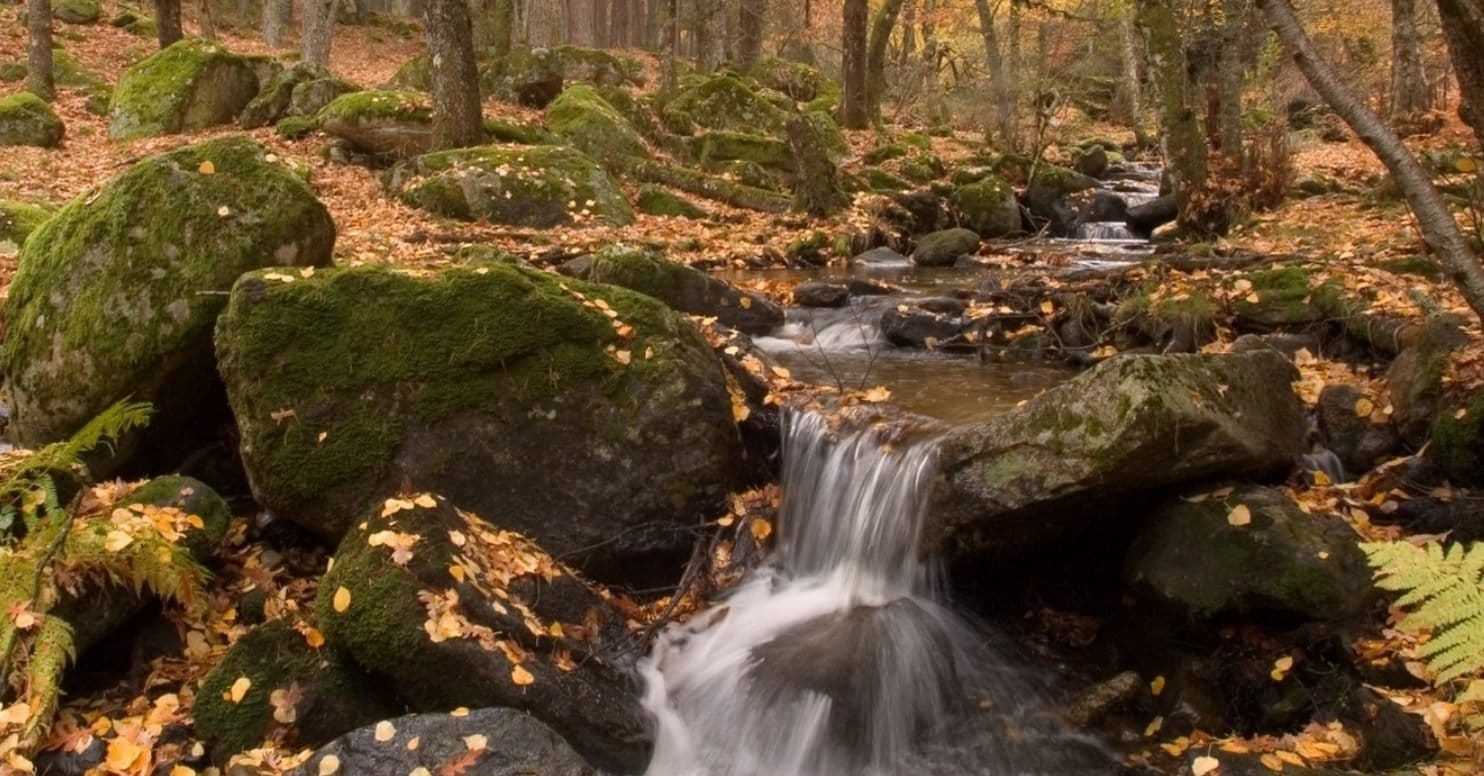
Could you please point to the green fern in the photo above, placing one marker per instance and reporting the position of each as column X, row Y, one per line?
column 1444, row 591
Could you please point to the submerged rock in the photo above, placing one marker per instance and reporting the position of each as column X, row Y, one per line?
column 538, row 186
column 508, row 389
column 1063, row 462
column 686, row 289
column 453, row 611
column 117, row 295
column 190, row 85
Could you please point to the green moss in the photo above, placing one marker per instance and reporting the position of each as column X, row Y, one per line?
column 504, row 131
column 296, row 127
column 77, row 11
column 880, row 154
column 527, row 186
column 10, row 72
column 799, row 81
column 194, row 498
column 725, row 101
column 1285, row 296
column 659, row 201
column 414, row 75
column 721, row 146
column 144, row 28
column 1420, row 266
column 638, row 111
column 18, row 220
column 378, row 104
column 881, row 180
column 988, row 207
column 1456, row 443
column 26, row 120
column 587, row 121
column 192, row 84
column 919, row 167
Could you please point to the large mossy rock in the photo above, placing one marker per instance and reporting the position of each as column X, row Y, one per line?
column 513, row 391
column 799, row 81
column 988, row 206
column 942, row 248
column 686, row 289
column 301, row 90
column 1064, row 462
column 1250, row 550
column 117, row 294
column 539, row 186
column 582, row 118
column 392, row 124
column 535, row 77
column 719, row 145
column 17, row 221
column 327, row 693
column 516, row 744
column 453, row 611
column 26, row 120
column 725, row 101
column 1414, row 381
column 657, row 201
column 188, row 86
column 77, row 11
column 1049, row 197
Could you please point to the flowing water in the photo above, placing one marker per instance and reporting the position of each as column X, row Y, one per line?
column 841, row 656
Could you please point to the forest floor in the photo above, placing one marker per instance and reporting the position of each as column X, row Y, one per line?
column 1354, row 236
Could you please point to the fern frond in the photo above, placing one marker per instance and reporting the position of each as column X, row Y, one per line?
column 52, row 650
column 1444, row 589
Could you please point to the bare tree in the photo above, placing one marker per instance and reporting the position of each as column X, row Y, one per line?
column 881, row 28
column 856, row 107
column 1128, row 96
column 317, row 31
column 167, row 21
column 1409, row 93
column 40, row 74
column 750, row 32
column 994, row 60
column 1433, row 217
column 1229, row 72
column 276, row 14
column 1463, row 30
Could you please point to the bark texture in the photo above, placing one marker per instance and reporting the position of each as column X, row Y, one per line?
column 1184, row 146
column 454, row 77
column 1408, row 89
column 318, row 31
column 881, row 27
column 1463, row 30
column 276, row 15
column 855, row 109
column 167, row 21
column 40, row 75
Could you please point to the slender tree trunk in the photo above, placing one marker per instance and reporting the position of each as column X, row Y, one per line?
column 1229, row 73
column 881, row 28
column 856, row 109
column 276, row 15
column 1126, row 97
column 623, row 22
column 994, row 60
column 1184, row 147
column 501, row 28
column 208, row 23
column 909, row 33
column 750, row 32
column 167, row 21
column 318, row 31
column 1408, row 90
column 1433, row 217
column 1463, row 30
column 40, row 74
column 454, row 78
column 602, row 31
column 672, row 43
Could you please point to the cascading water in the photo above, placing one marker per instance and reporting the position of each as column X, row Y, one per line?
column 839, row 657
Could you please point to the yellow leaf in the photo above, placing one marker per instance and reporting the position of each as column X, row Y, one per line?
column 239, row 689
column 329, row 764
column 385, row 730
column 521, row 676
column 476, row 742
column 124, row 755
column 1364, row 407
column 420, row 771
column 1239, row 516
column 342, row 599
column 182, row 770
column 457, row 572
column 117, row 540
column 876, row 395
column 207, row 168
column 1271, row 762
column 1281, row 667
column 1253, row 298
column 726, row 521
column 1157, row 686
column 1204, row 765
column 1460, row 414
column 314, row 638
column 1177, row 747
column 457, row 538
column 1242, row 286
column 1154, row 726
column 761, row 529
column 555, row 630
column 745, row 303
column 1291, row 758
column 1048, row 307
column 462, row 711
column 784, row 373
column 426, row 501
column 623, row 357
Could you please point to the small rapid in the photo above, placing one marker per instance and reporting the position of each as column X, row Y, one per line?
column 841, row 655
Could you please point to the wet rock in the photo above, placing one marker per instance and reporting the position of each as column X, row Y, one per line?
column 1104, row 698
column 510, row 627
column 686, row 289
column 516, row 744
column 1414, row 381
column 1129, row 428
column 1289, row 344
column 1144, row 218
column 1390, row 737
column 1271, row 557
column 988, row 206
column 869, row 287
column 942, row 305
column 917, row 327
column 881, row 259
column 190, row 85
column 1049, row 197
column 1093, row 161
column 1103, row 207
column 816, row 293
column 942, row 249
column 1359, row 442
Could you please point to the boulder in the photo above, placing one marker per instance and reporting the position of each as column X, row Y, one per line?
column 881, row 259
column 725, row 101
column 686, row 289
column 815, row 293
column 422, row 592
column 988, row 207
column 396, row 125
column 296, row 692
column 537, row 186
column 1145, row 217
column 600, row 430
column 514, row 744
column 660, row 201
column 799, row 81
column 1414, row 381
column 77, row 11
column 585, row 120
column 1249, row 550
column 310, row 97
column 1285, row 296
column 1093, row 161
column 1048, row 197
column 917, row 327
column 26, row 120
column 942, row 249
column 414, row 75
column 190, row 85
column 117, row 295
column 1132, row 426
column 301, row 90
column 1359, row 442
column 17, row 221
column 812, row 152
column 719, row 145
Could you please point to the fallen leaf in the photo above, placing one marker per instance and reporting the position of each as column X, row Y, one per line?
column 1239, row 516
column 385, row 730
column 342, row 599
column 207, row 168
column 238, row 690
column 329, row 764
column 1204, row 765
column 520, row 676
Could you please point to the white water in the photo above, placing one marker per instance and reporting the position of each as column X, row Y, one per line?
column 839, row 658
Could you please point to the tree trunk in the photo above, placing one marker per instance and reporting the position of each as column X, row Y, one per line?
column 1408, row 90
column 1184, row 147
column 1229, row 79
column 855, row 108
column 672, row 44
column 318, row 31
column 999, row 88
column 623, row 22
column 1433, row 217
column 502, row 28
column 881, row 27
column 208, row 23
column 453, row 76
column 750, row 32
column 276, row 15
column 40, row 75
column 1126, row 97
column 167, row 21
column 1463, row 30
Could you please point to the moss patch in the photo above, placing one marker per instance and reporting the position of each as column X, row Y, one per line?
column 725, row 101
column 660, row 201
column 190, row 85
column 525, row 186
column 582, row 118
column 17, row 221
column 26, row 120
column 723, row 146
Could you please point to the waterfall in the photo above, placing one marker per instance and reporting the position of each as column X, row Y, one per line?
column 840, row 657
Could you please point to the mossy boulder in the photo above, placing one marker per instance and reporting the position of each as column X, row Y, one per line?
column 597, row 67
column 726, row 101
column 1206, row 556
column 1414, row 381
column 301, row 90
column 799, row 81
column 392, row 124
column 77, row 11
column 414, row 75
column 17, row 221
column 720, row 145
column 433, row 592
column 509, row 389
column 1456, row 443
column 517, row 744
column 538, row 186
column 192, row 497
column 660, row 201
column 26, row 120
column 1174, row 322
column 295, row 127
column 988, row 206
column 580, row 117
column 327, row 693
column 1285, row 296
column 117, row 294
column 1049, row 197
column 508, row 131
column 942, row 248
column 685, row 288
column 1064, row 462
column 190, row 85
